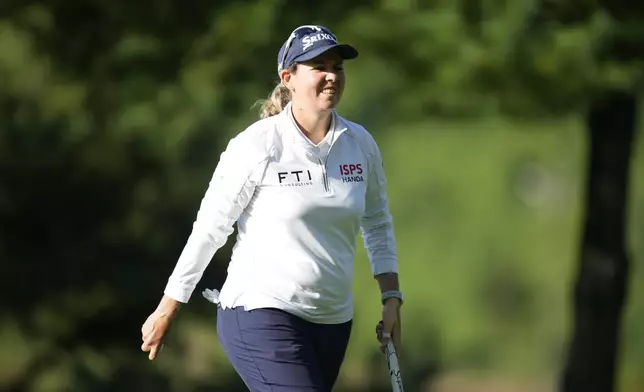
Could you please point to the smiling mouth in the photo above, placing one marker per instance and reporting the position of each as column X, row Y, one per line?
column 329, row 90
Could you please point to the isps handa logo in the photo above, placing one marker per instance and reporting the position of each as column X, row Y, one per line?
column 351, row 172
column 295, row 178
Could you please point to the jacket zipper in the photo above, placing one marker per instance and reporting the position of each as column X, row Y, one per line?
column 324, row 177
column 327, row 185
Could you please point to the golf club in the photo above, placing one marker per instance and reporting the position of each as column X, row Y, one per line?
column 394, row 368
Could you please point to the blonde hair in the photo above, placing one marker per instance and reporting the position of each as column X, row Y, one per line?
column 277, row 100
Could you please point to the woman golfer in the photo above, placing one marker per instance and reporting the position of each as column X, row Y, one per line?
column 301, row 182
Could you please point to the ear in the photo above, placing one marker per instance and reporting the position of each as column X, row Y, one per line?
column 285, row 77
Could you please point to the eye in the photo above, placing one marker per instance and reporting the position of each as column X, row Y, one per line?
column 325, row 67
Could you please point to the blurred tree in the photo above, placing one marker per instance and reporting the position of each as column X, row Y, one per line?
column 601, row 287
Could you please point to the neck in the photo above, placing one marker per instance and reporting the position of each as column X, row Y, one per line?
column 314, row 124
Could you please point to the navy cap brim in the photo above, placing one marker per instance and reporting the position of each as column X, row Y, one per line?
column 346, row 51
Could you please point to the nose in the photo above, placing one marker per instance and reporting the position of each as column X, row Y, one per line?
column 331, row 76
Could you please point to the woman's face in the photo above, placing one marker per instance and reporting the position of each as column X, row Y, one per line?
column 318, row 84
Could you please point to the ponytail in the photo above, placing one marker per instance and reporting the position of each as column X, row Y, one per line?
column 276, row 102
column 279, row 98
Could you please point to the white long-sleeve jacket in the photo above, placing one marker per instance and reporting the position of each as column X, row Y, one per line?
column 299, row 208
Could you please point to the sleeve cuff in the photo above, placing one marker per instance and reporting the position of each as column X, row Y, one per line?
column 384, row 266
column 178, row 292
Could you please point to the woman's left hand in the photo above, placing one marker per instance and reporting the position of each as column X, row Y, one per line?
column 390, row 326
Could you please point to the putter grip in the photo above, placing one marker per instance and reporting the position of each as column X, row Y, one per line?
column 394, row 368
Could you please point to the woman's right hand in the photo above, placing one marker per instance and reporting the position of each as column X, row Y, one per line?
column 157, row 326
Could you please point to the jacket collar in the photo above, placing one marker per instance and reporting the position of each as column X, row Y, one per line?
column 337, row 128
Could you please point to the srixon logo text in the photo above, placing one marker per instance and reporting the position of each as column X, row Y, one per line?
column 295, row 178
column 351, row 172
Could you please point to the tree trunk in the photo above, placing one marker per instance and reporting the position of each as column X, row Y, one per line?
column 601, row 290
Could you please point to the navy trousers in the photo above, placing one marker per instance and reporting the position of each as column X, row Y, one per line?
column 275, row 351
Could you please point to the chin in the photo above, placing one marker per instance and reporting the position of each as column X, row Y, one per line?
column 328, row 105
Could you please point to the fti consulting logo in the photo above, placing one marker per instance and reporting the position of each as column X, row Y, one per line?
column 351, row 172
column 295, row 178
